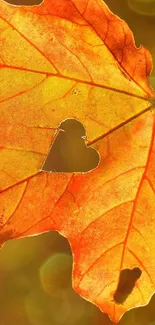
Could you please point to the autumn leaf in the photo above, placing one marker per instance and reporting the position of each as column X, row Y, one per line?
column 76, row 59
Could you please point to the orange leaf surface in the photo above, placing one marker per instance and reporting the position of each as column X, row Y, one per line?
column 76, row 59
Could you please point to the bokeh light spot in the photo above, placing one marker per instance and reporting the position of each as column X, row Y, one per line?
column 55, row 273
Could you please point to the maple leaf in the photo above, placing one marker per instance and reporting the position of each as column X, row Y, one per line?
column 76, row 59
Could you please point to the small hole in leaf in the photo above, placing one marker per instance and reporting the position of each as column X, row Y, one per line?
column 126, row 284
column 75, row 91
column 69, row 152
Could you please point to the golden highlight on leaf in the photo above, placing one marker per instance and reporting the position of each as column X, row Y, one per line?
column 76, row 59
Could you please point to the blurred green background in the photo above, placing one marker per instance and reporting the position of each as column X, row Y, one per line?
column 35, row 272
